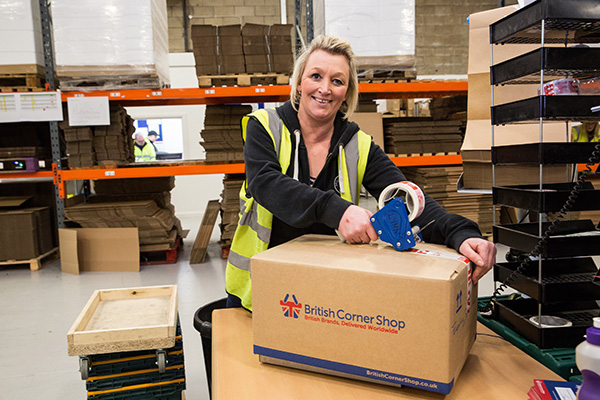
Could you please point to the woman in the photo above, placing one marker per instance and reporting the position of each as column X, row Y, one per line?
column 305, row 163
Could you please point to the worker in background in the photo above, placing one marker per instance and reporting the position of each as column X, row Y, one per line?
column 143, row 149
column 588, row 131
column 152, row 136
column 295, row 184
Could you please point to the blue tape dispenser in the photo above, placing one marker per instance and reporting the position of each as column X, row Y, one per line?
column 393, row 225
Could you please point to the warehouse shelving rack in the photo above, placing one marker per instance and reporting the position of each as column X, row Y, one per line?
column 558, row 280
column 199, row 96
column 228, row 95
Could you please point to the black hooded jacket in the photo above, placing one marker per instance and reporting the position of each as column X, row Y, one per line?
column 300, row 209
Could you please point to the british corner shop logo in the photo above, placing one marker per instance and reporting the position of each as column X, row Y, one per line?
column 291, row 309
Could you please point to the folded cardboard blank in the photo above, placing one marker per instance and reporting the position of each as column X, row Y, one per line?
column 366, row 312
column 99, row 249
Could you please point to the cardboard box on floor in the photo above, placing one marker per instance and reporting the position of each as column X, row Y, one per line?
column 25, row 233
column 99, row 249
column 366, row 312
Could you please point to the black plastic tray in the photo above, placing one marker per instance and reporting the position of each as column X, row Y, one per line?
column 554, row 108
column 543, row 153
column 524, row 25
column 524, row 237
column 556, row 62
column 551, row 198
column 563, row 279
column 516, row 313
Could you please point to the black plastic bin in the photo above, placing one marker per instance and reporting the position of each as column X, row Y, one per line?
column 203, row 324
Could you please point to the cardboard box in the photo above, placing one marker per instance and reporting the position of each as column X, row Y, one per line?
column 25, row 233
column 479, row 174
column 99, row 249
column 365, row 312
column 372, row 124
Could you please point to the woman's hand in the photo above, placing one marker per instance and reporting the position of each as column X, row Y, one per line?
column 355, row 225
column 482, row 253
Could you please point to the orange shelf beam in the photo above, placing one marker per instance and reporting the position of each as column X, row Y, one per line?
column 414, row 89
column 581, row 167
column 26, row 175
column 146, row 172
column 264, row 94
column 204, row 169
column 423, row 161
column 212, row 95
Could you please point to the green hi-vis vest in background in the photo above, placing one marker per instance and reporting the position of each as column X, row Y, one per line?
column 253, row 232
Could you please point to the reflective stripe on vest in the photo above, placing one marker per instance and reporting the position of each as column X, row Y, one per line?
column 253, row 233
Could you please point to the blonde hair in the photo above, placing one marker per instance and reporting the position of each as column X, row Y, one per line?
column 336, row 46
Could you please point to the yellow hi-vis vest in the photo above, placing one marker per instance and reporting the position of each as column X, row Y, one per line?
column 146, row 154
column 253, row 232
column 580, row 135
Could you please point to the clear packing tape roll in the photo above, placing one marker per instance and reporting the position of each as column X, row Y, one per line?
column 411, row 194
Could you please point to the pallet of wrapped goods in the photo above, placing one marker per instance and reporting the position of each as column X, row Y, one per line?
column 124, row 56
column 382, row 35
column 22, row 56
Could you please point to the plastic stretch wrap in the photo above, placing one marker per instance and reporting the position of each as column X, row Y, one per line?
column 111, row 37
column 21, row 28
column 381, row 32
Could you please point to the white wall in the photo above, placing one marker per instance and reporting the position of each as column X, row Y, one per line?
column 192, row 192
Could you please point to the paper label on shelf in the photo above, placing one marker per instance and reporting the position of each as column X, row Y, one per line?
column 30, row 106
column 88, row 111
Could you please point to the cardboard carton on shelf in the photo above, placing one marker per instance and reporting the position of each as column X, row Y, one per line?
column 366, row 312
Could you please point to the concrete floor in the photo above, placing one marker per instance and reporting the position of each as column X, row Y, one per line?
column 39, row 307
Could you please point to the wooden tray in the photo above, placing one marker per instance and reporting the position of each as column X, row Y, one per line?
column 130, row 319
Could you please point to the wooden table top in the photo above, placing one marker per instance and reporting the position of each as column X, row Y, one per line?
column 495, row 369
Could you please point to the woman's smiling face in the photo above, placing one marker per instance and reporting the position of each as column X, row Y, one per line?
column 323, row 85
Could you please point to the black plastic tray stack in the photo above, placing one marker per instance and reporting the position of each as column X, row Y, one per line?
column 560, row 282
column 134, row 375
